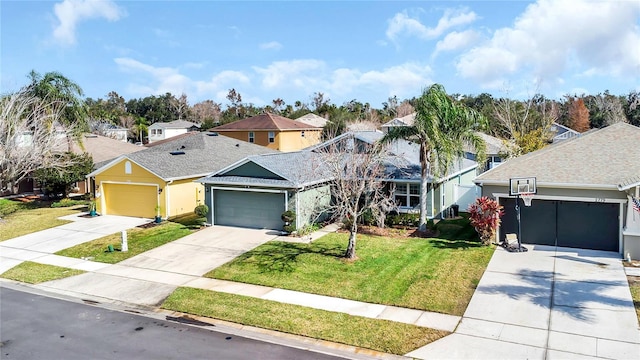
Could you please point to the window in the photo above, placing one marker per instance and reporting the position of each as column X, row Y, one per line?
column 159, row 131
column 127, row 167
column 272, row 137
column 251, row 137
column 302, row 133
column 407, row 195
column 153, row 131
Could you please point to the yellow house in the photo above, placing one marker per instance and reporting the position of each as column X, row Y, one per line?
column 159, row 181
column 273, row 131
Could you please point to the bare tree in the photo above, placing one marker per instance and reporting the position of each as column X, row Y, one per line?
column 357, row 171
column 30, row 136
column 404, row 109
column 206, row 111
column 181, row 105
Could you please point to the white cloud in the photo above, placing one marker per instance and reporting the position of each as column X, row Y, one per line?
column 302, row 74
column 71, row 12
column 272, row 45
column 404, row 25
column 404, row 80
column 553, row 37
column 457, row 41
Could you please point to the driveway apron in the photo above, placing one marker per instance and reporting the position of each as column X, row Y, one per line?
column 147, row 279
column 547, row 303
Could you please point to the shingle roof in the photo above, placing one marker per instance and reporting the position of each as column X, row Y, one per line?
column 609, row 157
column 176, row 124
column 102, row 148
column 406, row 120
column 196, row 155
column 265, row 122
column 313, row 120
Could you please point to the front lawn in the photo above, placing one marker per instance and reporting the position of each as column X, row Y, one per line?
column 34, row 273
column 381, row 335
column 634, row 285
column 138, row 239
column 434, row 274
column 26, row 218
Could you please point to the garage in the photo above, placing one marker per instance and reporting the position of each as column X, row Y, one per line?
column 574, row 224
column 130, row 200
column 260, row 210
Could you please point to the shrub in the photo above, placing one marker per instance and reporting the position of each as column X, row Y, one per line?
column 485, row 216
column 308, row 229
column 8, row 207
column 201, row 210
column 289, row 218
column 66, row 202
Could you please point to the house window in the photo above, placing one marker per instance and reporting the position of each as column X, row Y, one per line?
column 159, row 131
column 272, row 137
column 153, row 131
column 302, row 133
column 127, row 167
column 251, row 137
column 407, row 195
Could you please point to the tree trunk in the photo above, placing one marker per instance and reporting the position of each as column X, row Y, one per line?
column 424, row 172
column 351, row 247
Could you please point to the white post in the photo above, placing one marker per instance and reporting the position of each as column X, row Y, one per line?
column 125, row 246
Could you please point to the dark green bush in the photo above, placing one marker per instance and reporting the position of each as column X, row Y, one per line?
column 66, row 202
column 201, row 210
column 8, row 207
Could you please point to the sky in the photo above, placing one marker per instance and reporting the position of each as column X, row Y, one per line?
column 363, row 50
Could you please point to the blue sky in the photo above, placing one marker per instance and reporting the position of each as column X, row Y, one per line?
column 363, row 50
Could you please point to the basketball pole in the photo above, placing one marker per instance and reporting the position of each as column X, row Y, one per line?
column 518, row 217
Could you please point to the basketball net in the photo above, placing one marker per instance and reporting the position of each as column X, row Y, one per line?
column 526, row 198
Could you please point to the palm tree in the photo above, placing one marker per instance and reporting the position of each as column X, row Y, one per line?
column 442, row 128
column 140, row 127
column 55, row 88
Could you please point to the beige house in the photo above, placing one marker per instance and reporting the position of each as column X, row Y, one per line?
column 273, row 131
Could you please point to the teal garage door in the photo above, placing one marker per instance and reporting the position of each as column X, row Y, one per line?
column 248, row 209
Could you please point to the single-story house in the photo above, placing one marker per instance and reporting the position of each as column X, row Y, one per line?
column 161, row 130
column 584, row 190
column 273, row 131
column 255, row 192
column 159, row 181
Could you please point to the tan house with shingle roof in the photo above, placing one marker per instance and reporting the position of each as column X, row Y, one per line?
column 273, row 131
column 584, row 188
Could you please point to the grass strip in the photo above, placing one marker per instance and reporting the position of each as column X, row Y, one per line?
column 634, row 286
column 23, row 222
column 381, row 335
column 139, row 240
column 34, row 273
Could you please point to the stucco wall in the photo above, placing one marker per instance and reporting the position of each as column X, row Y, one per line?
column 311, row 203
column 184, row 196
column 631, row 246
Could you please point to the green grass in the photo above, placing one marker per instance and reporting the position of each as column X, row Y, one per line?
column 34, row 273
column 427, row 274
column 138, row 239
column 380, row 335
column 191, row 220
column 634, row 285
column 32, row 217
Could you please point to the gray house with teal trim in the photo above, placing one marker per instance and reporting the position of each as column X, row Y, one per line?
column 255, row 191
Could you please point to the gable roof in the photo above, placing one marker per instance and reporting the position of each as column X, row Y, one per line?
column 493, row 145
column 603, row 159
column 176, row 124
column 406, row 120
column 193, row 156
column 313, row 120
column 265, row 122
column 102, row 148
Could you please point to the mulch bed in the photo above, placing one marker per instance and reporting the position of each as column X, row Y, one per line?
column 393, row 232
column 148, row 225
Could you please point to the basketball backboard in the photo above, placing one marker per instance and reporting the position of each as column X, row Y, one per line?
column 523, row 185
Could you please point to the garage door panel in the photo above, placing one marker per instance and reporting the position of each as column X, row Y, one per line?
column 130, row 200
column 248, row 209
column 572, row 223
column 588, row 225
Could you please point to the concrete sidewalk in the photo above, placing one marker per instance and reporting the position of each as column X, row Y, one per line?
column 547, row 303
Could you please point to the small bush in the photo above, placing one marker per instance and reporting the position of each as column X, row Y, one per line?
column 201, row 210
column 308, row 229
column 408, row 219
column 8, row 207
column 67, row 203
column 485, row 216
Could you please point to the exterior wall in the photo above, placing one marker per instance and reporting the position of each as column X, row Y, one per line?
column 284, row 140
column 184, row 196
column 166, row 133
column 138, row 175
column 250, row 169
column 583, row 194
column 631, row 247
column 310, row 205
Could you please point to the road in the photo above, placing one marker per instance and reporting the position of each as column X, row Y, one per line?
column 38, row 327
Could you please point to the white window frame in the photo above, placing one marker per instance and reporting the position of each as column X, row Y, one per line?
column 404, row 190
column 272, row 137
column 252, row 137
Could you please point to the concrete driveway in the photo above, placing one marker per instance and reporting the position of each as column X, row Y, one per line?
column 49, row 241
column 548, row 303
column 148, row 278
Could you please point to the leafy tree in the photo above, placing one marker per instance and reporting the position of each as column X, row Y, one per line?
column 58, row 180
column 578, row 115
column 140, row 128
column 442, row 128
column 632, row 109
column 604, row 110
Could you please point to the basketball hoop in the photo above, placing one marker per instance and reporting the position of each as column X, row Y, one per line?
column 526, row 198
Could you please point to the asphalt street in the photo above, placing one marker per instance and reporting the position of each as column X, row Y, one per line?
column 37, row 327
